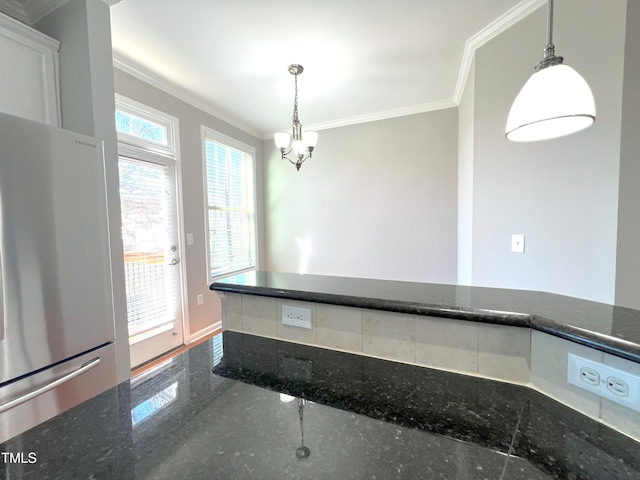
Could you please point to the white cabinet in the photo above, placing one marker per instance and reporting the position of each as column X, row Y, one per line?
column 29, row 78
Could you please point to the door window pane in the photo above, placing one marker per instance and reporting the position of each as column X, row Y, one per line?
column 144, row 197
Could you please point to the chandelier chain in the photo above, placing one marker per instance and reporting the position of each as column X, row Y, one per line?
column 295, row 100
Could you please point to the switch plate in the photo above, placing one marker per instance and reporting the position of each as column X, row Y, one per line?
column 296, row 316
column 517, row 243
column 607, row 382
column 200, row 299
column 189, row 238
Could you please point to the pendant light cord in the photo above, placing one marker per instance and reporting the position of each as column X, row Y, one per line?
column 550, row 23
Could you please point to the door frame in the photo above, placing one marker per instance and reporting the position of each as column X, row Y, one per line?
column 146, row 151
column 146, row 349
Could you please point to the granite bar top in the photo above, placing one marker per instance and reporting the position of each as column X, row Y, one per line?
column 608, row 328
column 245, row 407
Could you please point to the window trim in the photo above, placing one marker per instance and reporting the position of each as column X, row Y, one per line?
column 215, row 136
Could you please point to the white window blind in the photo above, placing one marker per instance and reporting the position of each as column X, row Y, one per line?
column 146, row 223
column 230, row 206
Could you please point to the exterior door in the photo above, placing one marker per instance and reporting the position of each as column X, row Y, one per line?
column 150, row 234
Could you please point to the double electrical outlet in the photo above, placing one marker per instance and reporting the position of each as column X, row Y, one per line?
column 607, row 382
column 296, row 316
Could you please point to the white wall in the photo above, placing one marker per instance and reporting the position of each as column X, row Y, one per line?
column 466, row 113
column 377, row 200
column 200, row 317
column 562, row 194
column 628, row 263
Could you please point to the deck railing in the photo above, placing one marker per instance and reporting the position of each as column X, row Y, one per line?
column 146, row 284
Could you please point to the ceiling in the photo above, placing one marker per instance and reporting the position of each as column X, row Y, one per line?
column 363, row 59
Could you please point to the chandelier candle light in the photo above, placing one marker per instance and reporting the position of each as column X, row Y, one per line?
column 555, row 101
column 301, row 143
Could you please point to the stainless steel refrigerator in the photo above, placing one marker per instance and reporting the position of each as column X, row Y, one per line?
column 56, row 303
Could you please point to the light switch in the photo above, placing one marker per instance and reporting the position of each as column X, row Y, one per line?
column 189, row 238
column 517, row 243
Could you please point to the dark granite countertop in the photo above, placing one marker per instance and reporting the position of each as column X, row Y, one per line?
column 609, row 328
column 268, row 401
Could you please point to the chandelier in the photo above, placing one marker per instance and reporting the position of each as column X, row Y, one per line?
column 299, row 144
column 555, row 101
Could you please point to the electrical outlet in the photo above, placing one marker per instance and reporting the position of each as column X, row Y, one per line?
column 200, row 299
column 618, row 387
column 590, row 376
column 296, row 316
column 607, row 382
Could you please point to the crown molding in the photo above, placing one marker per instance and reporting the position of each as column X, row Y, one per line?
column 29, row 11
column 38, row 9
column 495, row 28
column 154, row 80
column 384, row 115
column 14, row 25
column 32, row 11
column 15, row 10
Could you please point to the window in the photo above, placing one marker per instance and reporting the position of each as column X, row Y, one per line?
column 230, row 199
column 145, row 127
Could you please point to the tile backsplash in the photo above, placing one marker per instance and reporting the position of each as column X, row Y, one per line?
column 506, row 353
column 448, row 345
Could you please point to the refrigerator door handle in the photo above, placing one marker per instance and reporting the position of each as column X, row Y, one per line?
column 50, row 386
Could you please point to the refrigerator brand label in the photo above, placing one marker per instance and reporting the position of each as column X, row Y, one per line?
column 86, row 144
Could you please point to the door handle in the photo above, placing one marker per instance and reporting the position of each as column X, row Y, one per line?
column 39, row 391
column 175, row 261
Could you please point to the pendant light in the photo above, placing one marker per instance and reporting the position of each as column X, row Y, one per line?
column 300, row 143
column 555, row 101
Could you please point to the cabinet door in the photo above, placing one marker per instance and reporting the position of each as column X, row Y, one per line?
column 29, row 85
